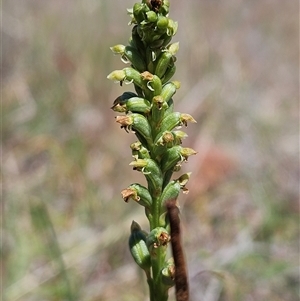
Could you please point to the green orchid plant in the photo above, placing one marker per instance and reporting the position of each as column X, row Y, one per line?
column 149, row 114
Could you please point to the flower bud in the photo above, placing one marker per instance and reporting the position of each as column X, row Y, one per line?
column 150, row 58
column 172, row 27
column 162, row 142
column 168, row 273
column 159, row 103
column 173, row 48
column 184, row 118
column 117, row 75
column 158, row 109
column 125, row 121
column 162, row 22
column 158, row 237
column 169, row 73
column 170, row 121
column 138, row 247
column 153, row 82
column 175, row 119
column 186, row 152
column 118, row 49
column 151, row 16
column 170, row 192
column 138, row 11
column 182, row 180
column 142, row 126
column 119, row 102
column 137, row 41
column 175, row 155
column 163, row 63
column 164, row 10
column 168, row 139
column 137, row 105
column 139, row 151
column 152, row 173
column 178, row 136
column 169, row 90
column 138, row 193
column 135, row 58
column 132, row 75
column 138, row 123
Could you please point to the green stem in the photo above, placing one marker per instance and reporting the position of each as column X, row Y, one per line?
column 157, row 289
column 156, row 213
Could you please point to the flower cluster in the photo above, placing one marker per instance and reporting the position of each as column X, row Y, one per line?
column 149, row 113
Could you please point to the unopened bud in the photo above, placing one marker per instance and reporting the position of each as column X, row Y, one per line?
column 138, row 247
column 118, row 49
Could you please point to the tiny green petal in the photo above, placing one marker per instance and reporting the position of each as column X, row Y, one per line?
column 118, row 49
column 117, row 75
column 172, row 27
column 173, row 48
column 179, row 135
column 186, row 152
column 139, row 163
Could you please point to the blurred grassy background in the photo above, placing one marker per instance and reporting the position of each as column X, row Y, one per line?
column 65, row 160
